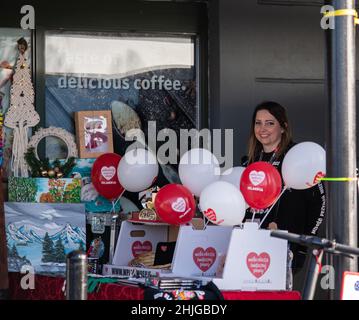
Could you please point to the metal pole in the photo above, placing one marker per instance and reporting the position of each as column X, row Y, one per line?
column 342, row 147
column 76, row 276
column 315, row 262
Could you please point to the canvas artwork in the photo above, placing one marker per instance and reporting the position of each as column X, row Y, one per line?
column 67, row 190
column 41, row 235
column 93, row 133
column 94, row 202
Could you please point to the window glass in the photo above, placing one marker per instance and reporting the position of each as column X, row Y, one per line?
column 139, row 78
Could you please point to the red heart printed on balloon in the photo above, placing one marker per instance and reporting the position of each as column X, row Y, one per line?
column 108, row 172
column 138, row 247
column 318, row 176
column 258, row 264
column 210, row 214
column 257, row 177
column 179, row 205
column 204, row 259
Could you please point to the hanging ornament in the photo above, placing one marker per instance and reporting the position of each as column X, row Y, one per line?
column 51, row 173
column 42, row 168
column 21, row 114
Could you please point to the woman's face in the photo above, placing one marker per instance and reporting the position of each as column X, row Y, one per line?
column 267, row 130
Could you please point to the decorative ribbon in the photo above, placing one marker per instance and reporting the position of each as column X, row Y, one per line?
column 341, row 179
column 343, row 12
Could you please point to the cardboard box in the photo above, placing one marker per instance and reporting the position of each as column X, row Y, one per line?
column 254, row 261
column 93, row 133
column 196, row 254
column 44, row 190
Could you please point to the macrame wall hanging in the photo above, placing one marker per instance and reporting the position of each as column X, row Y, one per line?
column 21, row 114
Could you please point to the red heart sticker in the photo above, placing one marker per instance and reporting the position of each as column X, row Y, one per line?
column 138, row 247
column 318, row 176
column 258, row 264
column 211, row 215
column 204, row 259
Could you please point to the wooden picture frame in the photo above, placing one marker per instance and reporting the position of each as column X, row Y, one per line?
column 93, row 133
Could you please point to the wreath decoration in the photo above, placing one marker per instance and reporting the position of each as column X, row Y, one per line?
column 60, row 133
column 43, row 168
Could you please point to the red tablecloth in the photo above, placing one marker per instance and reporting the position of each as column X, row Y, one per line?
column 50, row 288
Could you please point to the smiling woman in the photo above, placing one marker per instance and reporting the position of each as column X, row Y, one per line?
column 297, row 211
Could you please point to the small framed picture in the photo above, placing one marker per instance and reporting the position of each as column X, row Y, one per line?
column 93, row 133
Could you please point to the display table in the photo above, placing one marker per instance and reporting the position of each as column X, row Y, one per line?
column 50, row 288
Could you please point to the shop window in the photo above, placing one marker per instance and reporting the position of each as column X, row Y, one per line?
column 140, row 78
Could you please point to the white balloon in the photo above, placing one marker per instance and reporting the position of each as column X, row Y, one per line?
column 303, row 164
column 222, row 203
column 137, row 170
column 233, row 175
column 197, row 169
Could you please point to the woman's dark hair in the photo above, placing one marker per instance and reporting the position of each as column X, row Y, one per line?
column 280, row 113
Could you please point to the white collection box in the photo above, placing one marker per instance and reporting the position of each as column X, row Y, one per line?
column 255, row 261
column 133, row 240
column 197, row 252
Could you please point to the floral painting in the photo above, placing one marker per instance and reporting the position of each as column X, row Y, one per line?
column 67, row 190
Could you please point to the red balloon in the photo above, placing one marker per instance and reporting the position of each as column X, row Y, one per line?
column 175, row 204
column 260, row 184
column 104, row 176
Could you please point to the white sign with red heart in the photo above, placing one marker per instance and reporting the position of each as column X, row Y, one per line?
column 139, row 247
column 204, row 259
column 108, row 172
column 179, row 205
column 256, row 177
column 258, row 264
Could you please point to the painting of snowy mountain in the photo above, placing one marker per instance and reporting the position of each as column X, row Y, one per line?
column 42, row 234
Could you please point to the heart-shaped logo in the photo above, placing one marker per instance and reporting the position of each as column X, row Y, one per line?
column 164, row 248
column 318, row 176
column 204, row 259
column 179, row 205
column 258, row 264
column 210, row 214
column 138, row 247
column 108, row 172
column 256, row 177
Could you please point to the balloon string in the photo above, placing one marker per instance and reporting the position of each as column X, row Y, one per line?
column 206, row 224
column 115, row 202
column 285, row 188
column 254, row 213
